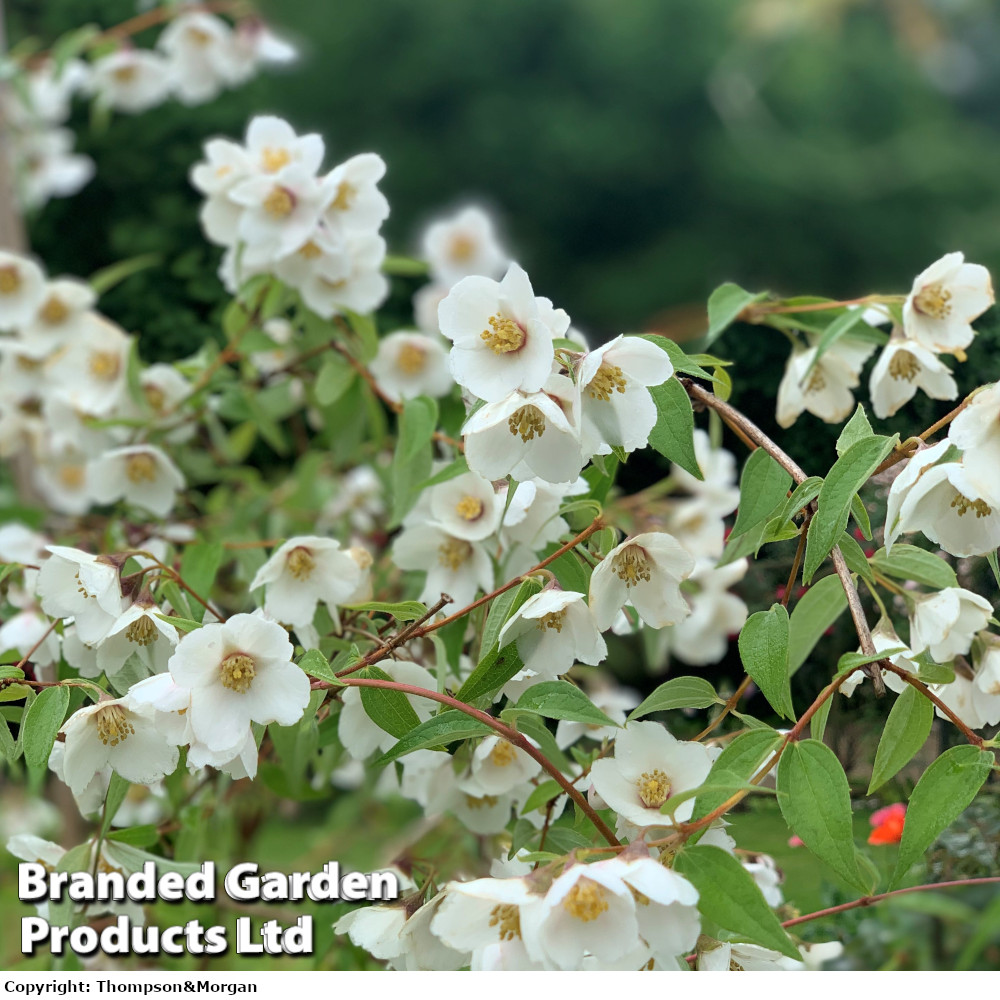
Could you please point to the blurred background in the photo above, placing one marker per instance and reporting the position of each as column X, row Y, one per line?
column 636, row 154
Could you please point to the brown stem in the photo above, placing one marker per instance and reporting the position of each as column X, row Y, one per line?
column 796, row 563
column 507, row 732
column 34, row 649
column 905, row 449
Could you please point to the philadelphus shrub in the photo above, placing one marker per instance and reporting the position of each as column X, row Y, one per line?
column 423, row 590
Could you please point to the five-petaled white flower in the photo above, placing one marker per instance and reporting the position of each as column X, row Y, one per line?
column 409, row 364
column 976, row 430
column 903, row 367
column 140, row 474
column 945, row 622
column 463, row 244
column 823, row 386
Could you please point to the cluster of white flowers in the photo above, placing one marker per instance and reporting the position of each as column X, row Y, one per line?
column 197, row 56
column 936, row 319
column 68, row 403
column 269, row 206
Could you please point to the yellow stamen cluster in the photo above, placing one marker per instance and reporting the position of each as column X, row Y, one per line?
column 198, row 37
column 609, row 379
column 300, row 563
column 502, row 754
column 346, row 193
column 454, row 553
column 72, row 476
column 504, row 335
column 10, row 280
column 654, row 788
column 527, row 421
column 507, row 917
column 586, row 900
column 817, row 380
column 272, row 159
column 310, row 251
column 238, row 671
column 280, row 202
column 553, row 620
column 105, row 365
column 933, row 300
column 412, row 359
column 142, row 631
column 155, row 396
column 483, row 802
column 632, row 565
column 469, row 508
column 113, row 726
column 26, row 364
column 904, row 365
column 964, row 505
column 126, row 74
column 462, row 248
column 140, row 468
column 54, row 311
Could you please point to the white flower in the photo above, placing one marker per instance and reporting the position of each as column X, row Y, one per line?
column 648, row 767
column 140, row 474
column 552, row 629
column 137, row 629
column 352, row 199
column 466, row 506
column 613, row 701
column 90, row 373
column 29, row 631
column 48, row 166
column 359, row 498
column 22, row 290
column 119, row 734
column 976, row 430
column 703, row 636
column 945, row 622
column 885, row 638
column 765, row 873
column 903, row 367
column 645, row 571
column 480, row 813
column 239, row 671
column 421, row 950
column 823, row 388
column 532, row 518
column 976, row 699
column 19, row 544
column 349, row 279
column 410, row 364
column 199, row 48
column 463, row 244
column 721, row 956
column 130, row 80
column 86, row 587
column 667, row 911
column 63, row 481
column 377, row 929
column 304, row 571
column 426, row 301
column 501, row 334
column 534, row 432
column 717, row 491
column 617, row 406
column 454, row 566
column 59, row 318
column 944, row 301
column 587, row 909
column 498, row 767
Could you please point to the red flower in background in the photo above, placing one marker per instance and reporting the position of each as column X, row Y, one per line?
column 888, row 824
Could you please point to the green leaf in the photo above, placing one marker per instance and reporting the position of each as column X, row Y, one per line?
column 673, row 434
column 41, row 724
column 815, row 800
column 561, row 700
column 943, row 792
column 679, row 358
column 763, row 485
column 404, row 267
column 416, row 426
column 680, row 692
column 763, row 645
column 729, row 897
column 849, row 473
column 315, row 664
column 817, row 724
column 854, row 430
column 906, row 731
column 854, row 556
column 136, row 836
column 389, row 710
column 117, row 790
column 821, row 605
column 6, row 741
column 493, row 671
column 199, row 566
column 450, row 471
column 364, row 327
column 106, row 279
column 908, row 562
column 740, row 759
column 334, row 379
column 403, row 611
column 850, row 662
column 724, row 306
column 183, row 624
column 541, row 795
column 503, row 608
column 844, row 322
column 448, row 727
column 806, row 491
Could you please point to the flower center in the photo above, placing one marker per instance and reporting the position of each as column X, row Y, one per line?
column 26, row 364
column 654, row 788
column 112, row 726
column 631, row 565
column 280, row 202
column 198, row 37
column 933, row 301
column 411, row 359
column 126, row 74
column 238, row 672
column 72, row 476
column 527, row 421
column 504, row 335
column 483, row 802
column 10, row 280
column 300, row 563
column 502, row 754
column 904, row 365
column 963, row 505
column 54, row 311
column 469, row 508
column 553, row 620
column 140, row 468
column 345, row 196
column 105, row 365
column 454, row 552
column 586, row 900
column 507, row 918
column 155, row 396
column 273, row 159
column 462, row 248
column 817, row 380
column 609, row 379
column 142, row 631
column 310, row 250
